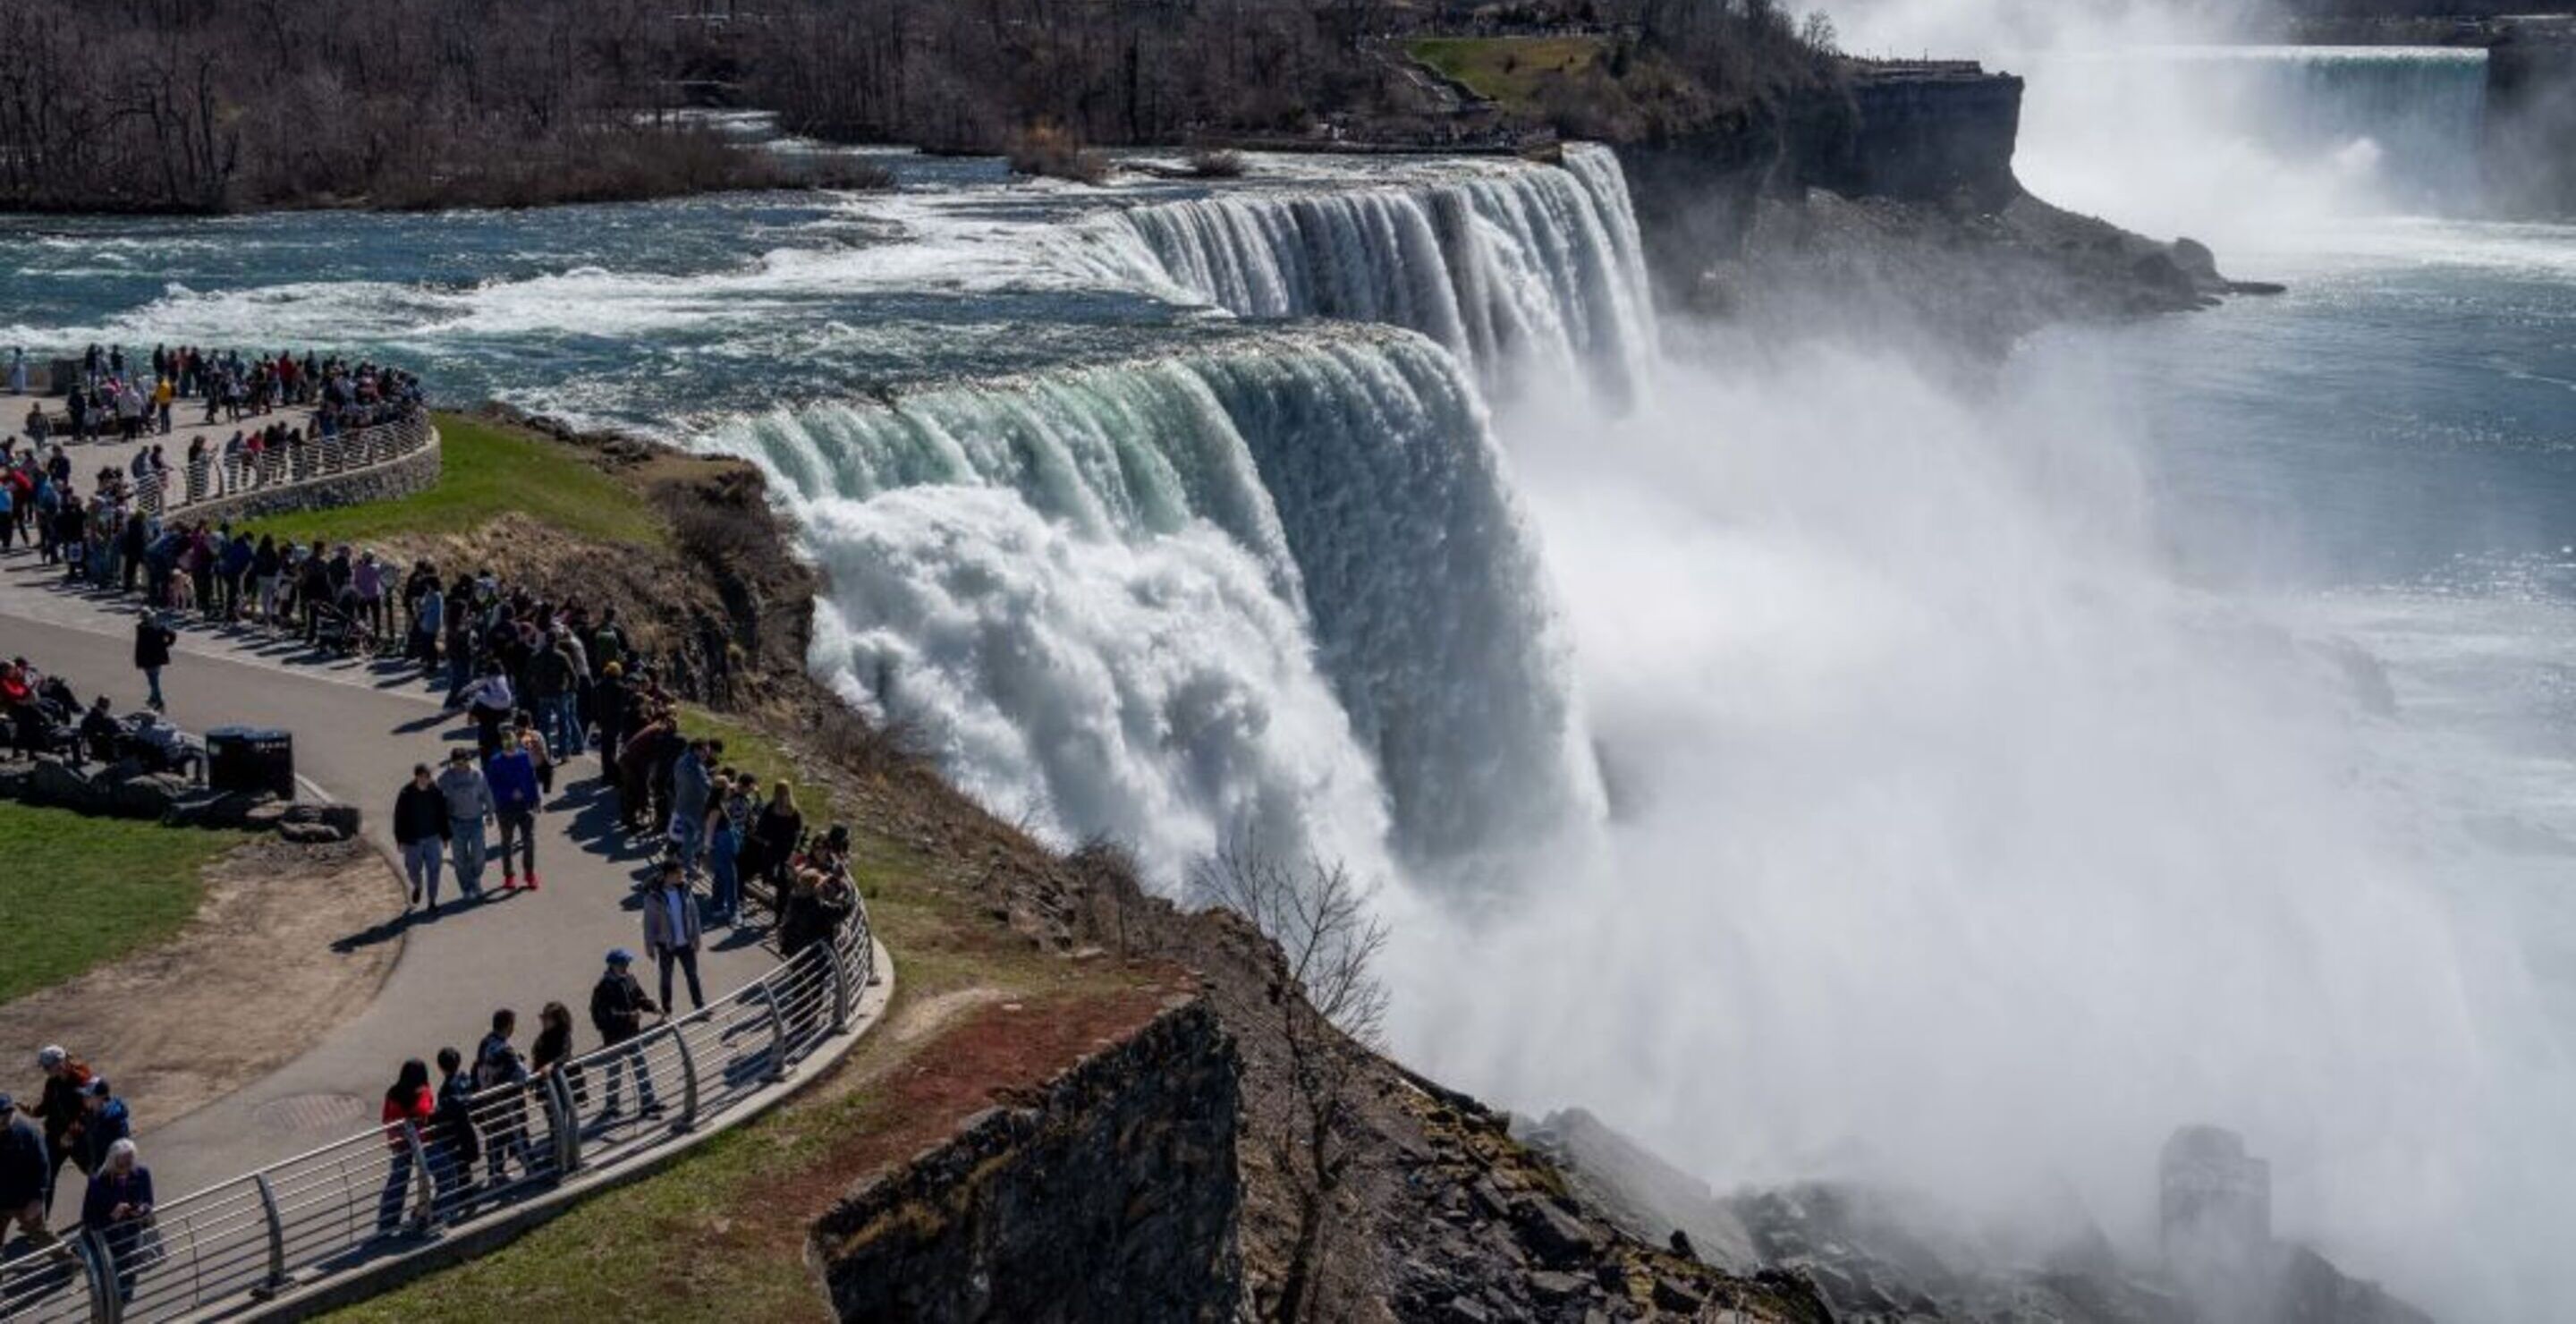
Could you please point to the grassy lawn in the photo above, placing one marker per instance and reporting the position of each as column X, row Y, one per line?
column 720, row 1234
column 486, row 471
column 1506, row 69
column 81, row 891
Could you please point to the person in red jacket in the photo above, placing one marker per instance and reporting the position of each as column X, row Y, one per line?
column 409, row 1101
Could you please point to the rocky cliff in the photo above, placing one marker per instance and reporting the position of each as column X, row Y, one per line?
column 1890, row 199
column 1110, row 1197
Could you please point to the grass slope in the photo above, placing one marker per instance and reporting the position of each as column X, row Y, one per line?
column 1507, row 70
column 485, row 472
column 82, row 891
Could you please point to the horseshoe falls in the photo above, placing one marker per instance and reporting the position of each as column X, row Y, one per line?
column 1280, row 588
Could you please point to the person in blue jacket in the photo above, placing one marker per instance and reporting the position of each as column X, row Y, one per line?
column 512, row 774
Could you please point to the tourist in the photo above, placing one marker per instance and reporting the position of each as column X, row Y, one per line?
column 490, row 703
column 455, row 1145
column 617, row 1008
column 692, row 785
column 552, row 1051
column 368, row 578
column 524, row 732
column 428, row 620
column 774, row 838
column 816, row 905
column 61, row 1108
column 728, row 818
column 117, row 1209
column 24, row 1176
column 511, row 775
column 635, row 761
column 409, row 1106
column 103, row 1123
column 421, row 831
column 469, row 804
column 671, row 930
column 17, row 370
column 267, row 571
column 505, row 1123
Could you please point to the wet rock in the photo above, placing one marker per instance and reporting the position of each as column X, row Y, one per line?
column 1549, row 1285
column 149, row 796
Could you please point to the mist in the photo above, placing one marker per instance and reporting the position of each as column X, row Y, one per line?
column 1957, row 846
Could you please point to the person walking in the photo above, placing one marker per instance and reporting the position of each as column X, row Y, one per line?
column 152, row 641
column 454, row 1142
column 409, row 1106
column 62, row 1110
column 421, row 830
column 24, row 1172
column 512, row 775
column 469, row 803
column 617, row 1008
column 117, row 1209
column 490, row 702
column 671, row 930
column 105, row 1122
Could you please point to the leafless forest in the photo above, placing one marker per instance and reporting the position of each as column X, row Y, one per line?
column 186, row 105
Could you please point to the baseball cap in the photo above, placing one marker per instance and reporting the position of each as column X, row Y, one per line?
column 620, row 956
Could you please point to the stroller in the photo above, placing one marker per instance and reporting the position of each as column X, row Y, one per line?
column 339, row 632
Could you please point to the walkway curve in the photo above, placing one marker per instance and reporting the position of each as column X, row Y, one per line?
column 358, row 729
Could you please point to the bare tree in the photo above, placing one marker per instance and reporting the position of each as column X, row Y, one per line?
column 1331, row 1009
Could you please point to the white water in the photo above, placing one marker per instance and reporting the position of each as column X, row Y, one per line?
column 1958, row 841
column 1192, row 549
column 1517, row 271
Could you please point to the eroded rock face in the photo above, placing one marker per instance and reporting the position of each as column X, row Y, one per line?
column 1112, row 1198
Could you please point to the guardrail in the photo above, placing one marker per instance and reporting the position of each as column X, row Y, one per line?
column 392, row 1191
column 210, row 477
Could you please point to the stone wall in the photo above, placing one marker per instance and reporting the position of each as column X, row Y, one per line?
column 1112, row 1198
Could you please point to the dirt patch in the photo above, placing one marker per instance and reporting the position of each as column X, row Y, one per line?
column 250, row 983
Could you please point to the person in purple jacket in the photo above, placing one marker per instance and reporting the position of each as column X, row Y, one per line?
column 512, row 774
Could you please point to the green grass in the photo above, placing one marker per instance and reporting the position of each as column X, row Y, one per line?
column 82, row 891
column 485, row 471
column 1507, row 70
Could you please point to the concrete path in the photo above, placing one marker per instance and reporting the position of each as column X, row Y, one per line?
column 358, row 729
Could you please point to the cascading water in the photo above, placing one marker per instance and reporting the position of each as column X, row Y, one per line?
column 2266, row 134
column 1512, row 269
column 1094, row 591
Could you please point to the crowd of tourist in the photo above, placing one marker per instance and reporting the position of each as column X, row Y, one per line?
column 76, row 1120
column 544, row 682
column 44, row 506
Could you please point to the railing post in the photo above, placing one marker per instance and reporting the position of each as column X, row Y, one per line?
column 276, row 1281
column 777, row 1031
column 567, row 1123
column 98, row 1264
column 423, row 1178
column 688, row 1075
column 840, row 987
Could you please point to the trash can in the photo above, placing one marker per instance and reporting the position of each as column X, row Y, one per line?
column 248, row 758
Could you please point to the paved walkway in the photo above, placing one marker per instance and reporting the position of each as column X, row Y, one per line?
column 358, row 729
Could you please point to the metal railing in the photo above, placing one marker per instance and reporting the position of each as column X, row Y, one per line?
column 214, row 476
column 391, row 1191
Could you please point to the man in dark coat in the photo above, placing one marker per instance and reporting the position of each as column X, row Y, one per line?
column 617, row 1009
column 152, row 641
column 420, row 829
column 24, row 1174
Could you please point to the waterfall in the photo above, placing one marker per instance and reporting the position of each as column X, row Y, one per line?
column 1279, row 586
column 2235, row 143
column 1516, row 268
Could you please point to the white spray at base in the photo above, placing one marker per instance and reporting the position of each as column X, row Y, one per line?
column 1279, row 589
column 1958, row 847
